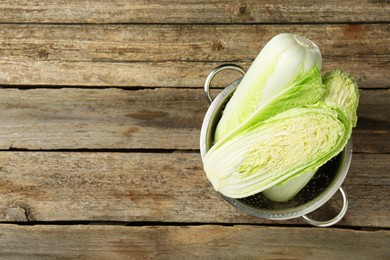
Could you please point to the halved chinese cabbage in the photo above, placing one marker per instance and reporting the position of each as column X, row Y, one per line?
column 286, row 62
column 293, row 142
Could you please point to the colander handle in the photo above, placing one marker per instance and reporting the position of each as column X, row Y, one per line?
column 334, row 220
column 214, row 72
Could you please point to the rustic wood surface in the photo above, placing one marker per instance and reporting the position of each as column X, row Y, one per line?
column 173, row 55
column 190, row 242
column 126, row 187
column 193, row 11
column 119, row 119
column 101, row 104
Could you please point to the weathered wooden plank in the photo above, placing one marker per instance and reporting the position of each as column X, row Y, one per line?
column 190, row 242
column 199, row 11
column 126, row 43
column 161, row 187
column 149, row 118
column 110, row 118
column 370, row 72
column 373, row 122
column 172, row 55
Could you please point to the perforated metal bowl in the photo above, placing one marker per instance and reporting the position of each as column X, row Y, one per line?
column 318, row 191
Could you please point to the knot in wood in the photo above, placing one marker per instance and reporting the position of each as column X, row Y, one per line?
column 43, row 53
column 217, row 45
column 242, row 9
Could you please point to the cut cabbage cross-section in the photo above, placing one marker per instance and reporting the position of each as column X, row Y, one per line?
column 293, row 142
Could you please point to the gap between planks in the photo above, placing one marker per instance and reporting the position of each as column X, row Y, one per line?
column 184, row 224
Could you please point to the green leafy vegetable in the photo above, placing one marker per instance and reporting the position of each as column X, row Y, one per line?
column 342, row 94
column 293, row 142
column 275, row 142
column 286, row 62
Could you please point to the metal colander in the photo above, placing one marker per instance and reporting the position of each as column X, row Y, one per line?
column 318, row 191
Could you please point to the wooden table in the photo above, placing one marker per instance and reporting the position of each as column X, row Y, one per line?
column 100, row 113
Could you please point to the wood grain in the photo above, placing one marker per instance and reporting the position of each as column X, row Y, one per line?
column 157, row 187
column 125, row 43
column 72, row 118
column 101, row 105
column 191, row 11
column 93, row 119
column 190, row 242
column 173, row 55
column 370, row 72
